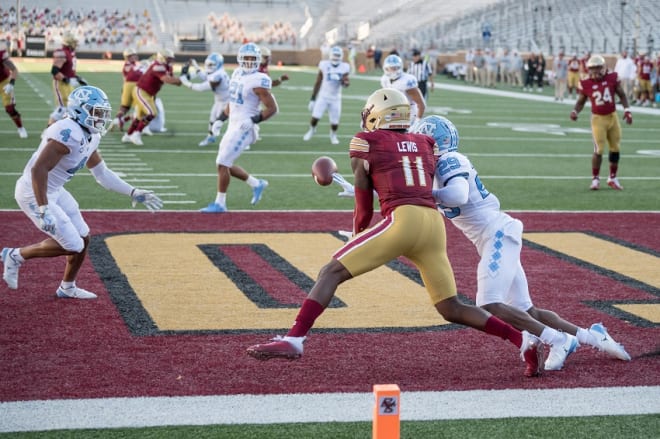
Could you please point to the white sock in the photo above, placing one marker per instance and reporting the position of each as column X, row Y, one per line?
column 17, row 255
column 252, row 182
column 221, row 198
column 67, row 285
column 586, row 337
column 552, row 337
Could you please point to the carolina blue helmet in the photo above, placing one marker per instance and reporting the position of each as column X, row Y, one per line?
column 393, row 67
column 441, row 129
column 214, row 62
column 336, row 55
column 249, row 57
column 90, row 107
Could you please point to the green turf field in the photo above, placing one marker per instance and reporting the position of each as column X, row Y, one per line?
column 529, row 153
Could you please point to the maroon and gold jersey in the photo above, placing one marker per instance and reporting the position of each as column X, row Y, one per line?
column 601, row 93
column 68, row 69
column 574, row 64
column 4, row 71
column 131, row 71
column 401, row 166
column 151, row 81
column 263, row 68
column 644, row 69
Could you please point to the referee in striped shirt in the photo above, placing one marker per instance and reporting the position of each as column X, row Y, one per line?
column 422, row 70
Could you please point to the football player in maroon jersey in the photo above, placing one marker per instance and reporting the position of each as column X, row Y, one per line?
column 400, row 167
column 600, row 88
column 132, row 72
column 144, row 94
column 8, row 75
column 65, row 78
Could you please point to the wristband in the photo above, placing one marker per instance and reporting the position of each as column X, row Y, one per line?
column 257, row 118
column 65, row 80
column 223, row 117
column 12, row 81
column 626, row 110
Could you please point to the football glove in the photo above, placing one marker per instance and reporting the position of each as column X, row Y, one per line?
column 284, row 77
column 185, row 81
column 195, row 65
column 349, row 190
column 8, row 88
column 46, row 220
column 216, row 127
column 627, row 116
column 81, row 81
column 574, row 115
column 310, row 106
column 148, row 198
column 73, row 82
column 184, row 69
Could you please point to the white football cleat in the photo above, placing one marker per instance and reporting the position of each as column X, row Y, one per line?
column 22, row 133
column 607, row 343
column 595, row 184
column 11, row 266
column 613, row 182
column 136, row 138
column 559, row 353
column 147, row 131
column 333, row 138
column 310, row 132
column 125, row 138
column 74, row 293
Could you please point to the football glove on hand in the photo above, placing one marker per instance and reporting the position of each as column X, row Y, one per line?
column 284, row 77
column 627, row 116
column 349, row 190
column 46, row 220
column 8, row 88
column 81, row 81
column 310, row 106
column 184, row 70
column 148, row 198
column 195, row 65
column 574, row 115
column 73, row 82
column 185, row 81
column 216, row 127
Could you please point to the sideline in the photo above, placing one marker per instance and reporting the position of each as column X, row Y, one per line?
column 323, row 407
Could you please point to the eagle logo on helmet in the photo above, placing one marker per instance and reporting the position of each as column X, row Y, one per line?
column 386, row 108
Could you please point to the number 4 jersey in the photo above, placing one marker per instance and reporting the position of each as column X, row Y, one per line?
column 601, row 93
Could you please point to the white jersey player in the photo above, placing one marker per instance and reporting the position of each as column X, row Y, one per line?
column 214, row 79
column 67, row 146
column 395, row 77
column 249, row 92
column 326, row 95
column 466, row 202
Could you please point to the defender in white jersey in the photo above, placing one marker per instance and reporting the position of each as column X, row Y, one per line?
column 502, row 284
column 248, row 90
column 67, row 146
column 326, row 96
column 395, row 77
column 214, row 78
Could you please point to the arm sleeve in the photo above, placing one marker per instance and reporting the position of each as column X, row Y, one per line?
column 454, row 193
column 109, row 180
column 364, row 209
column 201, row 86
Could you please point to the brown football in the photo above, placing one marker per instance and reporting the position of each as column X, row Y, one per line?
column 322, row 170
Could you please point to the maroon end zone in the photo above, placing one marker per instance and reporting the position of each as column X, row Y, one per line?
column 52, row 348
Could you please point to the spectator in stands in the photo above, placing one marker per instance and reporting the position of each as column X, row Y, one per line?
column 627, row 71
column 573, row 82
column 560, row 74
column 8, row 75
column 144, row 95
column 423, row 71
column 65, row 78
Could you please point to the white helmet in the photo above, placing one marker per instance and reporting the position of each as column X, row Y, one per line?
column 249, row 57
column 213, row 62
column 393, row 67
column 336, row 55
column 265, row 55
column 386, row 108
